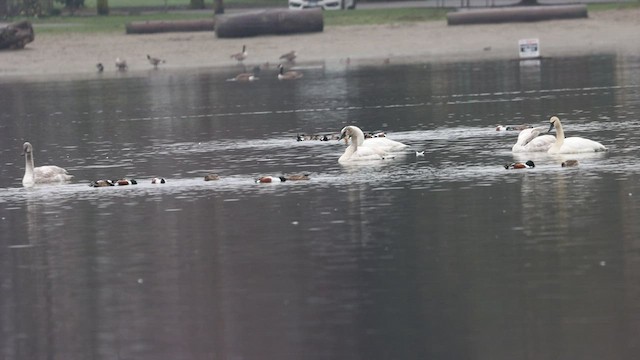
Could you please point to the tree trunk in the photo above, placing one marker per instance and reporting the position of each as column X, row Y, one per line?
column 197, row 4
column 272, row 21
column 4, row 9
column 218, row 7
column 16, row 35
column 103, row 7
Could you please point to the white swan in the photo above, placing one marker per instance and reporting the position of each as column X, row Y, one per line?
column 369, row 149
column 41, row 174
column 529, row 141
column 571, row 145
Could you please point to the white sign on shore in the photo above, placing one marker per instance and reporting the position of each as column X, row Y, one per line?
column 529, row 48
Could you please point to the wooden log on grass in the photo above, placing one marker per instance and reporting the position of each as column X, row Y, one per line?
column 157, row 26
column 271, row 21
column 517, row 14
column 16, row 35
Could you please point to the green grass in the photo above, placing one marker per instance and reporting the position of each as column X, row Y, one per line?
column 613, row 6
column 98, row 24
column 183, row 3
column 116, row 23
column 383, row 16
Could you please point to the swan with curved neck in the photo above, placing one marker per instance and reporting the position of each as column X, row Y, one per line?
column 530, row 141
column 41, row 174
column 370, row 149
column 571, row 145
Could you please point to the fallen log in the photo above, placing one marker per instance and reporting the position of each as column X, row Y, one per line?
column 149, row 27
column 16, row 35
column 517, row 14
column 271, row 21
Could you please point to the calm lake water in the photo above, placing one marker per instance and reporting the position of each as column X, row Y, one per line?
column 441, row 256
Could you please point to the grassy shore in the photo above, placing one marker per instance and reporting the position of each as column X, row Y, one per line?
column 116, row 22
column 91, row 4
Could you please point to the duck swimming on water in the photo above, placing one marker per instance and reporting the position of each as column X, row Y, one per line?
column 270, row 179
column 101, row 183
column 518, row 165
column 288, row 75
column 125, row 182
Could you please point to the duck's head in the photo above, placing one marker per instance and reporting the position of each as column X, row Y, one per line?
column 552, row 122
column 530, row 163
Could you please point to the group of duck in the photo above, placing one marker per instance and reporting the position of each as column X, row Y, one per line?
column 374, row 147
column 328, row 137
column 51, row 174
column 121, row 65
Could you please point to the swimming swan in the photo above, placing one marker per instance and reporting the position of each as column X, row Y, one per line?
column 571, row 145
column 369, row 149
column 529, row 141
column 41, row 174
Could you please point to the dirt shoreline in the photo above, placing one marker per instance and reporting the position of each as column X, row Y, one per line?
column 613, row 31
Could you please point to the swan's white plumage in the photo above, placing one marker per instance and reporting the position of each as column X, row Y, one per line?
column 383, row 144
column 41, row 174
column 530, row 140
column 365, row 150
column 572, row 145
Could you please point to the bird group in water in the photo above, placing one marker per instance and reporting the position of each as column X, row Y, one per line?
column 376, row 146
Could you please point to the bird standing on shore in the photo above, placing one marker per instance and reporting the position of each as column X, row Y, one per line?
column 100, row 67
column 289, row 57
column 155, row 61
column 121, row 64
column 241, row 55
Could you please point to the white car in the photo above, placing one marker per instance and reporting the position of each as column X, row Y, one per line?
column 324, row 4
